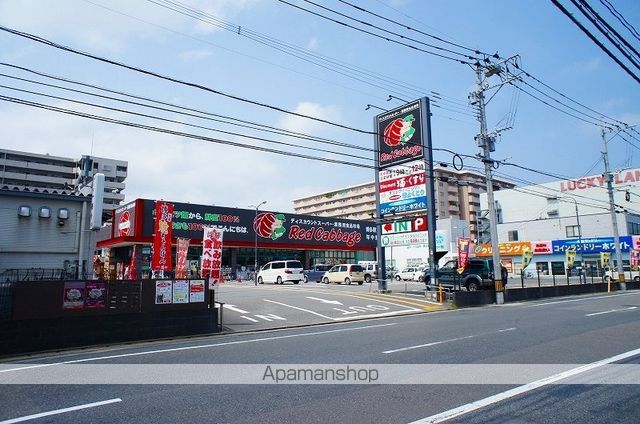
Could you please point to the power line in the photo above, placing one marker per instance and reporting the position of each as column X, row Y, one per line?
column 435, row 37
column 606, row 30
column 376, row 35
column 621, row 18
column 595, row 40
column 175, row 80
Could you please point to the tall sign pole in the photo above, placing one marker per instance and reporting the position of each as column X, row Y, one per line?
column 487, row 144
column 612, row 210
column 401, row 135
column 431, row 183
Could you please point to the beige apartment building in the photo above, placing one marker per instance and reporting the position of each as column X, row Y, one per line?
column 61, row 175
column 457, row 196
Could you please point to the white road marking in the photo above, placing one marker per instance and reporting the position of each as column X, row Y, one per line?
column 179, row 349
column 248, row 318
column 333, row 302
column 473, row 406
column 300, row 309
column 427, row 344
column 270, row 317
column 61, row 411
column 445, row 341
column 234, row 308
column 612, row 310
column 582, row 300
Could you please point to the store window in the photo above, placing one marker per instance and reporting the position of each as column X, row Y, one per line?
column 543, row 267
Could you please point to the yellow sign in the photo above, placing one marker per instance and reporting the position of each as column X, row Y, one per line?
column 527, row 255
column 570, row 258
column 605, row 259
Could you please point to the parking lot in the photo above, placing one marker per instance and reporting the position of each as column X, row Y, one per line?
column 250, row 307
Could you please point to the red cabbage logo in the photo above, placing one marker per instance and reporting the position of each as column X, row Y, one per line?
column 399, row 131
column 268, row 225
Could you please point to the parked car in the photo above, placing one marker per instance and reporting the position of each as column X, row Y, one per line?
column 477, row 275
column 370, row 269
column 278, row 272
column 316, row 273
column 344, row 273
column 406, row 274
column 423, row 275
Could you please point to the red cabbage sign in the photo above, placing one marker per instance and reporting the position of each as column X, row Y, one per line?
column 269, row 225
column 211, row 261
column 161, row 260
column 400, row 135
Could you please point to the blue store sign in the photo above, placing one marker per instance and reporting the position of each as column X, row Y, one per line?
column 404, row 205
column 591, row 245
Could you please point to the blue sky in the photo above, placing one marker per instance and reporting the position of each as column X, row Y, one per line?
column 180, row 169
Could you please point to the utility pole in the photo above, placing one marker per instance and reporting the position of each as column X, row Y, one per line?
column 487, row 144
column 612, row 210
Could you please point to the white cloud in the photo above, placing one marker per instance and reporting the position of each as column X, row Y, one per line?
column 305, row 125
column 312, row 44
column 194, row 55
column 98, row 25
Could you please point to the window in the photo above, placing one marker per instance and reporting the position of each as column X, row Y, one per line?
column 277, row 265
column 573, row 231
column 44, row 212
column 63, row 213
column 513, row 235
column 634, row 228
column 121, row 168
column 24, row 211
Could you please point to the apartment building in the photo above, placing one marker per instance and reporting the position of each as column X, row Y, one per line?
column 457, row 197
column 61, row 175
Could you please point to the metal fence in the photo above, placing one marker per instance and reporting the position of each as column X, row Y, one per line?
column 39, row 274
column 6, row 299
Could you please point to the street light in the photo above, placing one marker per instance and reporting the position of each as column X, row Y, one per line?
column 255, row 248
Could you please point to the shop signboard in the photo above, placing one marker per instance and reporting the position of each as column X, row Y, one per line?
column 182, row 249
column 405, row 225
column 95, row 295
column 591, row 245
column 196, row 291
column 399, row 134
column 164, row 293
column 161, row 259
column 242, row 225
column 211, row 262
column 74, row 294
column 402, row 188
column 181, row 291
column 416, row 238
column 464, row 244
column 124, row 219
column 542, row 247
column 507, row 248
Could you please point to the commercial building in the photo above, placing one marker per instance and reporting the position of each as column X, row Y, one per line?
column 55, row 174
column 310, row 239
column 457, row 198
column 554, row 217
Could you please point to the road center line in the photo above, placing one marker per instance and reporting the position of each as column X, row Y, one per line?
column 581, row 300
column 179, row 349
column 61, row 411
column 612, row 310
column 473, row 406
column 445, row 341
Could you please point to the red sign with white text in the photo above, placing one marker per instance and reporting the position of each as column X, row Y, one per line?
column 211, row 261
column 124, row 225
column 181, row 257
column 161, row 260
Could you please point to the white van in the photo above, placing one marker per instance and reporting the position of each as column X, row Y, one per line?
column 278, row 272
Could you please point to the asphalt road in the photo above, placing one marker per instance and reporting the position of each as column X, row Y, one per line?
column 432, row 347
column 248, row 307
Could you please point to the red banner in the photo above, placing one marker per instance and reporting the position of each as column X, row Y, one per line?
column 161, row 260
column 133, row 272
column 463, row 251
column 635, row 259
column 181, row 257
column 211, row 263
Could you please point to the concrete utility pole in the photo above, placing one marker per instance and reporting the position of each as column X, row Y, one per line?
column 487, row 144
column 612, row 210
